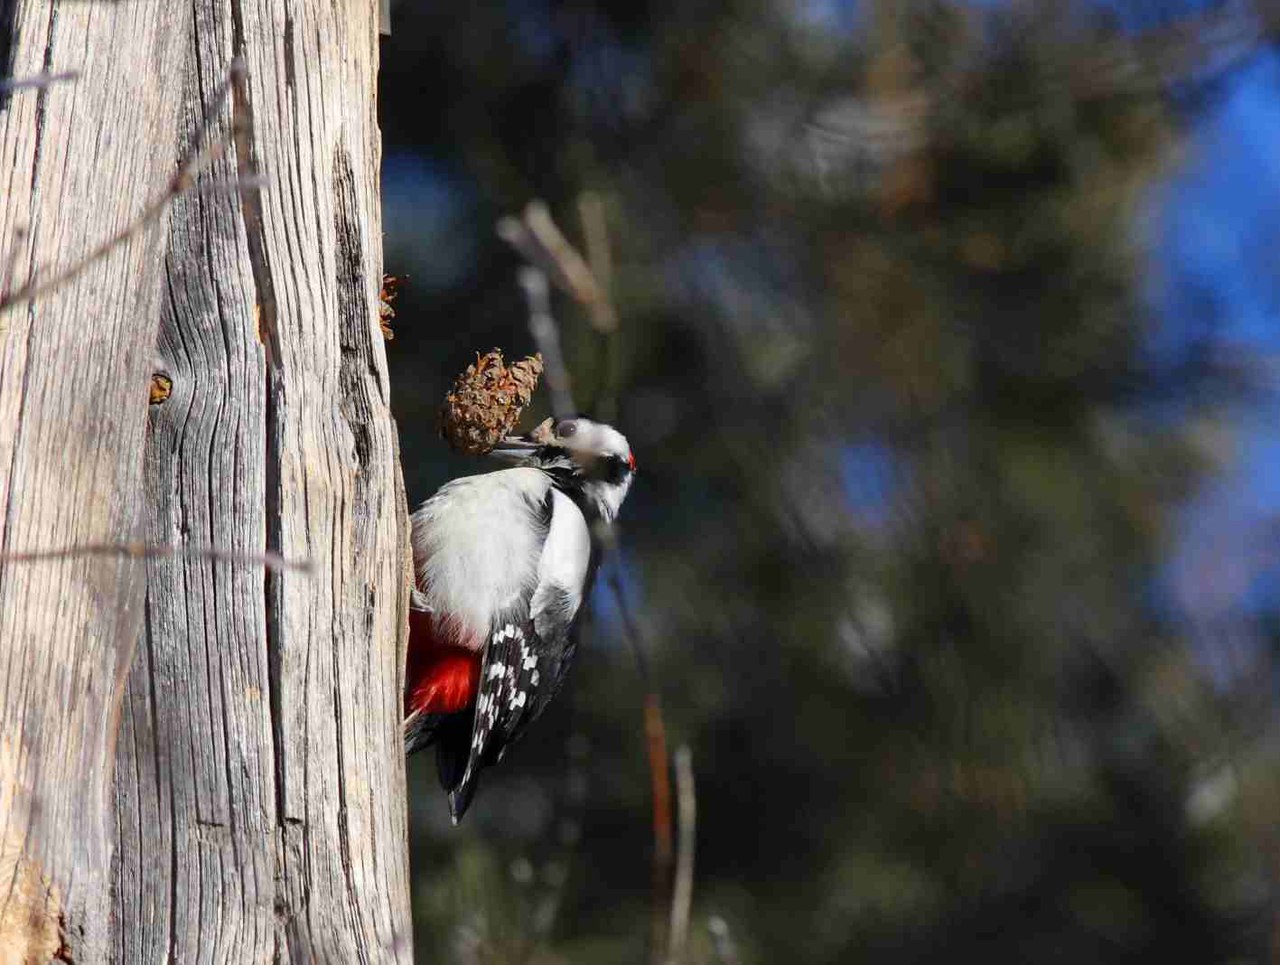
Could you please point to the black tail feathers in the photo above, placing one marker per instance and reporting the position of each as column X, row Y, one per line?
column 451, row 736
column 453, row 753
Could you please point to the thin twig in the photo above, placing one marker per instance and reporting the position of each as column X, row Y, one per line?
column 237, row 71
column 682, row 892
column 577, row 278
column 547, row 337
column 542, row 328
column 37, row 81
column 595, row 233
column 655, row 731
column 520, row 235
column 199, row 156
column 39, row 284
column 587, row 280
column 536, row 236
column 135, row 550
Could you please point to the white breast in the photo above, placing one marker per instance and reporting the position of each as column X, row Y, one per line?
column 562, row 569
column 477, row 545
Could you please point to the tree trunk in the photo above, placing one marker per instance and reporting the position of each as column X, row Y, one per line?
column 256, row 807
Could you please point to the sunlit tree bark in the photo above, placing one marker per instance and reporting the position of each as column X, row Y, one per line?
column 199, row 741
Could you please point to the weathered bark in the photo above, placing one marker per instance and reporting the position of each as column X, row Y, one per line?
column 256, row 808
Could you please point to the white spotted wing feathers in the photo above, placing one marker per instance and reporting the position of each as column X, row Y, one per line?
column 529, row 645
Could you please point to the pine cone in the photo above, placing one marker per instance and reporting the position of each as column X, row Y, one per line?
column 485, row 402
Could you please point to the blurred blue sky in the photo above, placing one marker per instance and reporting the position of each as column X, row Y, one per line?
column 1215, row 231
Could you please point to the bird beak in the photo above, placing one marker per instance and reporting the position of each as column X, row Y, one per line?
column 515, row 449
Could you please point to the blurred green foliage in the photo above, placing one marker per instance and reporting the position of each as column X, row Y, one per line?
column 907, row 480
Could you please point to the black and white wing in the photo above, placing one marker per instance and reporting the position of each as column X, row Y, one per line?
column 529, row 649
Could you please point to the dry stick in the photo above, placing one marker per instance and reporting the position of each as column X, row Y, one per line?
column 537, row 237
column 515, row 233
column 595, row 233
column 578, row 279
column 655, row 731
column 272, row 561
column 198, row 156
column 682, row 893
column 545, row 335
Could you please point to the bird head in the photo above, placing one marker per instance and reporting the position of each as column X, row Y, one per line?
column 590, row 457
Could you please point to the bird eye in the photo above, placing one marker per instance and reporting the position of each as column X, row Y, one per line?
column 566, row 428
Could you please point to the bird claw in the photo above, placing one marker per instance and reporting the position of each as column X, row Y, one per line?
column 418, row 601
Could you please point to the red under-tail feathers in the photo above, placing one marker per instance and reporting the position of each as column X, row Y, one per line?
column 440, row 676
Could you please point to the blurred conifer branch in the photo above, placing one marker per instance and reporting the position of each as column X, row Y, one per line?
column 976, row 315
column 851, row 142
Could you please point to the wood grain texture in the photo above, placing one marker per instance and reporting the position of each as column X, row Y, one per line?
column 77, row 162
column 259, row 783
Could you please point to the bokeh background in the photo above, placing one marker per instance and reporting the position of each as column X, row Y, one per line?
column 948, row 353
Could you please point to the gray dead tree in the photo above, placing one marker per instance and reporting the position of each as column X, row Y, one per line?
column 200, row 756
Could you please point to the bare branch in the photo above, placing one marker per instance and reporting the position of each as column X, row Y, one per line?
column 272, row 561
column 595, row 232
column 237, row 72
column 536, row 236
column 198, row 156
column 517, row 233
column 37, row 81
column 547, row 338
column 682, row 892
column 571, row 270
column 655, row 731
column 542, row 327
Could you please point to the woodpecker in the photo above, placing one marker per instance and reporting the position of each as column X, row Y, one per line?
column 503, row 562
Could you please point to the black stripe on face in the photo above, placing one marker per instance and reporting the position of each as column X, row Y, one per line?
column 568, row 473
column 613, row 469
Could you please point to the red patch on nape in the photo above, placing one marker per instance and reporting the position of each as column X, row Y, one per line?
column 631, row 461
column 440, row 677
